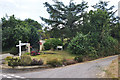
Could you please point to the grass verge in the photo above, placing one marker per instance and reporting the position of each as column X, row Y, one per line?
column 57, row 54
column 112, row 70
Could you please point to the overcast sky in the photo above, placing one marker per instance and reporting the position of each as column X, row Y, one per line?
column 23, row 9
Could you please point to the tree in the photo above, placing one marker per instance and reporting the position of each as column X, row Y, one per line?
column 103, row 5
column 14, row 30
column 95, row 37
column 34, row 23
column 115, row 32
column 64, row 19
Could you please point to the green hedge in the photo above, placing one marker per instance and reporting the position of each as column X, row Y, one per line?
column 52, row 43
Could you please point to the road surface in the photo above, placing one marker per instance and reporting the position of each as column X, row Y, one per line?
column 89, row 69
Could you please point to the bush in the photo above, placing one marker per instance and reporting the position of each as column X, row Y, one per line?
column 92, row 56
column 33, row 53
column 14, row 51
column 25, row 60
column 79, row 58
column 8, row 58
column 93, row 43
column 27, row 53
column 52, row 43
column 36, row 62
column 13, row 62
column 54, row 63
column 81, row 45
column 47, row 45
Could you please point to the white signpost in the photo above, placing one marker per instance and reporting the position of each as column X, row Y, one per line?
column 21, row 44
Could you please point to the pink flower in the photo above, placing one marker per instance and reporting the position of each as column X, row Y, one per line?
column 38, row 53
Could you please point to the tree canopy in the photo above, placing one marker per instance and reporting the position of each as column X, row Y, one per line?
column 64, row 19
column 14, row 30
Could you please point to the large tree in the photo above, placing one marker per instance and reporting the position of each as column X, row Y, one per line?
column 14, row 30
column 64, row 19
column 95, row 37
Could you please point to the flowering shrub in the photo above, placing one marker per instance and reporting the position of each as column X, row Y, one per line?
column 37, row 62
column 33, row 53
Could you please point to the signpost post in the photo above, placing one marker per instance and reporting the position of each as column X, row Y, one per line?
column 21, row 44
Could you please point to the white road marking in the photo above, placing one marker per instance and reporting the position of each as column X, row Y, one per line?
column 11, row 76
column 6, row 76
column 15, row 76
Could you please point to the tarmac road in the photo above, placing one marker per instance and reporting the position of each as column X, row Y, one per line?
column 88, row 69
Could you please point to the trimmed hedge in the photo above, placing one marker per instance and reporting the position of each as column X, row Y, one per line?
column 52, row 43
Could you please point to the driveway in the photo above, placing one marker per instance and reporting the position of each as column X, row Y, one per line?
column 89, row 69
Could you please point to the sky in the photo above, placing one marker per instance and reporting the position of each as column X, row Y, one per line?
column 23, row 9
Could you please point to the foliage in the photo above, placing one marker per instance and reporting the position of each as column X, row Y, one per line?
column 36, row 62
column 25, row 60
column 79, row 58
column 81, row 45
column 54, row 63
column 27, row 53
column 34, row 53
column 86, row 44
column 14, row 30
column 14, row 50
column 52, row 43
column 95, row 38
column 64, row 19
column 47, row 45
column 115, row 32
column 92, row 56
column 8, row 58
column 13, row 62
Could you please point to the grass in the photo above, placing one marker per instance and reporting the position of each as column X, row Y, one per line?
column 112, row 70
column 58, row 54
column 119, row 67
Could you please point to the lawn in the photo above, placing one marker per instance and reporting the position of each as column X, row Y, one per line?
column 58, row 54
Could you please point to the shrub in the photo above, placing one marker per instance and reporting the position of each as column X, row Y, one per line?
column 81, row 45
column 47, row 45
column 13, row 62
column 54, row 63
column 92, row 56
column 52, row 43
column 8, row 58
column 93, row 43
column 34, row 53
column 79, row 58
column 14, row 50
column 27, row 53
column 25, row 60
column 36, row 62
